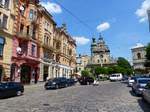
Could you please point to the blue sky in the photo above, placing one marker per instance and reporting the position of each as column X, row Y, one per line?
column 122, row 23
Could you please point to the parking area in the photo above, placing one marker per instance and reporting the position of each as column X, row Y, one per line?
column 107, row 97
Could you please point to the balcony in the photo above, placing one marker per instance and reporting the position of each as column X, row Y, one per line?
column 26, row 36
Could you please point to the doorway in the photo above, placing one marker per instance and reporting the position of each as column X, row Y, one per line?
column 45, row 72
column 25, row 74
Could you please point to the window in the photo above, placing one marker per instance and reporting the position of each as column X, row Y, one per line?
column 2, row 42
column 31, row 14
column 33, row 50
column 98, row 61
column 139, row 55
column 28, row 30
column 2, row 2
column 21, row 28
column 6, row 5
column 5, row 18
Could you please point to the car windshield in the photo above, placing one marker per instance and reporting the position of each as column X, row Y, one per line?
column 144, row 81
column 114, row 75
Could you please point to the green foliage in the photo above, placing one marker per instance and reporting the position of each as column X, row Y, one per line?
column 101, row 70
column 147, row 63
column 85, row 73
column 122, row 62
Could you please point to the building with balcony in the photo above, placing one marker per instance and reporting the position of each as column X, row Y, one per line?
column 47, row 50
column 26, row 43
column 139, row 56
column 66, row 58
column 6, row 33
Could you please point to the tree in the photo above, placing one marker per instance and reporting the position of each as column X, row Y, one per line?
column 147, row 63
column 85, row 73
column 122, row 62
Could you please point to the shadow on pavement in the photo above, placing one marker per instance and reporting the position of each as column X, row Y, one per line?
column 132, row 93
column 144, row 105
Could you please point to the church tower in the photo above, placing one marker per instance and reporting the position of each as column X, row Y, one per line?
column 100, row 53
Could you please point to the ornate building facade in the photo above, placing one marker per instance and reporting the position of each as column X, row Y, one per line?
column 26, row 43
column 6, row 33
column 139, row 56
column 32, row 47
column 100, row 53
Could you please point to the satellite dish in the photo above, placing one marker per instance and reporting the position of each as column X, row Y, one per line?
column 21, row 8
column 19, row 50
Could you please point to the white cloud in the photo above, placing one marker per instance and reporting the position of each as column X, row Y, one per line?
column 142, row 11
column 102, row 27
column 52, row 7
column 82, row 40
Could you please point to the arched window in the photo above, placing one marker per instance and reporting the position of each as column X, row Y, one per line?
column 139, row 55
column 2, row 42
column 98, row 61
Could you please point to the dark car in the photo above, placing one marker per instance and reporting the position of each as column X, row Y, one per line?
column 56, row 83
column 139, row 85
column 71, row 82
column 86, row 80
column 9, row 89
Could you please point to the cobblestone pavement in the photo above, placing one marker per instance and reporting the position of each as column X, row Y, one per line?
column 107, row 97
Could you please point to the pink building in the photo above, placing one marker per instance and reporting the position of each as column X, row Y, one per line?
column 26, row 45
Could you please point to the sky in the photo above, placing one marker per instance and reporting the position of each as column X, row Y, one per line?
column 122, row 23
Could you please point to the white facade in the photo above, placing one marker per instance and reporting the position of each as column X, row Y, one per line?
column 138, row 56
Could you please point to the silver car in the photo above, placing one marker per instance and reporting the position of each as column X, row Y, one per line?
column 146, row 93
column 139, row 85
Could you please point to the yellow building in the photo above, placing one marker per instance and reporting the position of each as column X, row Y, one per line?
column 67, row 57
column 47, row 54
column 6, row 34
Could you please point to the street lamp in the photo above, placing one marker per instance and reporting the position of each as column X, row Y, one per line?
column 148, row 13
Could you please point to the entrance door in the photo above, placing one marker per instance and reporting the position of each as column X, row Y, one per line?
column 12, row 74
column 25, row 74
column 45, row 73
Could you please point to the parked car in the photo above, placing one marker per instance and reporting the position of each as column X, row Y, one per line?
column 9, row 89
column 139, row 85
column 116, row 77
column 71, row 82
column 86, row 80
column 146, row 93
column 131, row 81
column 56, row 83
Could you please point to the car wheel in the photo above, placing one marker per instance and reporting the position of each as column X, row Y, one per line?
column 18, row 93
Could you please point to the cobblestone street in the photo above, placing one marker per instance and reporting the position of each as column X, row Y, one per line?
column 107, row 97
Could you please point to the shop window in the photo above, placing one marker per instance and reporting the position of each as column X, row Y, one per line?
column 2, row 42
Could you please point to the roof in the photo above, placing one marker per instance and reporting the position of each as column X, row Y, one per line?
column 138, row 45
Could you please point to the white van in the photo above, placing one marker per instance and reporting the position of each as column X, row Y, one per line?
column 116, row 77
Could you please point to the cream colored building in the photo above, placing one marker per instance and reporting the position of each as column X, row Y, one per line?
column 47, row 50
column 82, row 62
column 138, row 56
column 100, row 53
column 58, row 49
column 6, row 33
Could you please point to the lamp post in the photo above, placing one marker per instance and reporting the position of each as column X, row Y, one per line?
column 148, row 14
